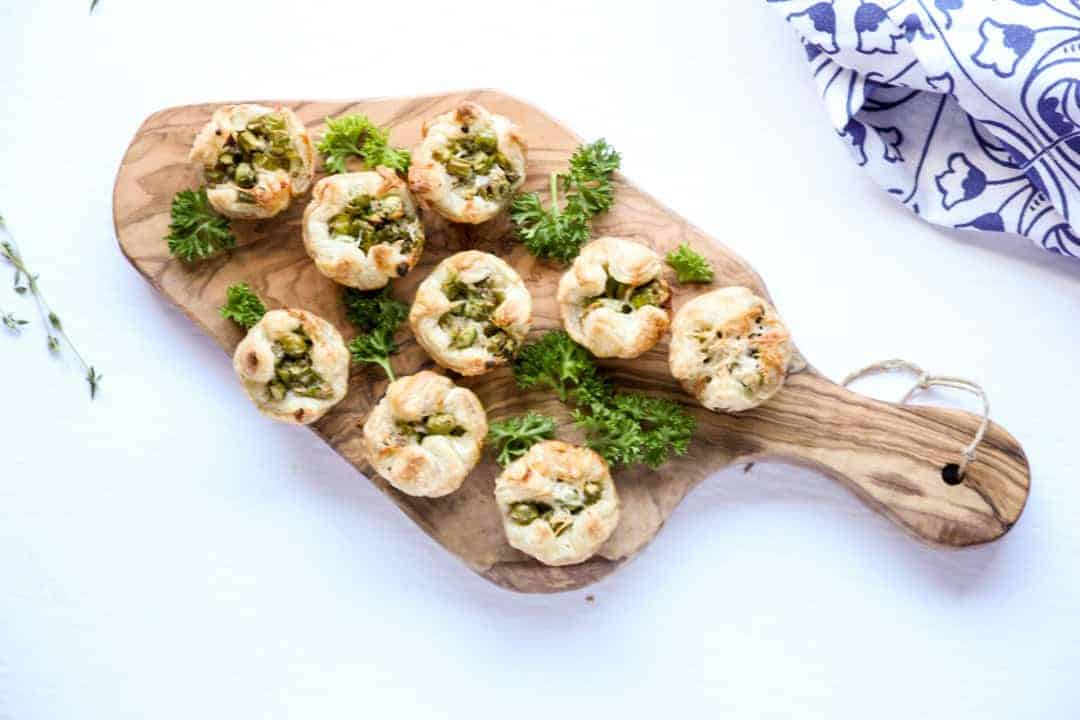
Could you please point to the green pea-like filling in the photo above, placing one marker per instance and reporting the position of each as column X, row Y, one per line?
column 478, row 166
column 369, row 221
column 627, row 298
column 593, row 492
column 469, row 323
column 293, row 371
column 264, row 144
column 560, row 514
column 438, row 424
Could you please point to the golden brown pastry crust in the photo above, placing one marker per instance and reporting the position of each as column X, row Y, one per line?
column 254, row 362
column 274, row 189
column 554, row 474
column 429, row 465
column 603, row 324
column 433, row 185
column 729, row 349
column 513, row 315
column 340, row 258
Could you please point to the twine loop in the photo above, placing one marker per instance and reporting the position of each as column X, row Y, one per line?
column 925, row 381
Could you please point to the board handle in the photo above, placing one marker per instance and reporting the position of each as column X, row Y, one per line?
column 901, row 459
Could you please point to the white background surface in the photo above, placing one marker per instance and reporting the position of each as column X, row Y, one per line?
column 167, row 553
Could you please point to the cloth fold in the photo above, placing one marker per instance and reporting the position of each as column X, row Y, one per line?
column 966, row 111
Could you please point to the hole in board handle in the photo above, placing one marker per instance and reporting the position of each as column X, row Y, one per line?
column 951, row 474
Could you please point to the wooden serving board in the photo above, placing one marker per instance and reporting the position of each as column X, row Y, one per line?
column 890, row 455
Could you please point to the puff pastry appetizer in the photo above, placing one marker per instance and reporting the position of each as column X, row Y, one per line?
column 471, row 313
column 613, row 299
column 558, row 502
column 729, row 349
column 293, row 365
column 361, row 229
column 468, row 164
column 426, row 434
column 254, row 160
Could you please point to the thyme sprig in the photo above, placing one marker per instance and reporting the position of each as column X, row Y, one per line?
column 11, row 322
column 54, row 329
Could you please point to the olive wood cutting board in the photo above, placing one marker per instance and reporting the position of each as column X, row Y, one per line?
column 892, row 456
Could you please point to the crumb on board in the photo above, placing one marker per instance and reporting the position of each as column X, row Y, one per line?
column 590, row 598
column 748, row 466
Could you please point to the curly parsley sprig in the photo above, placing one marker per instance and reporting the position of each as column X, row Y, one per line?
column 242, row 305
column 197, row 231
column 368, row 309
column 555, row 362
column 513, row 436
column 665, row 427
column 378, row 317
column 54, row 329
column 356, row 136
column 558, row 233
column 616, row 436
column 376, row 348
column 690, row 267
column 625, row 428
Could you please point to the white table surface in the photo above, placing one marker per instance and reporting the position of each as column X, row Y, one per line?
column 165, row 552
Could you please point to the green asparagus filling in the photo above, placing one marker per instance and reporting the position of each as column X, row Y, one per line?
column 469, row 323
column 627, row 298
column 438, row 424
column 478, row 166
column 264, row 144
column 293, row 371
column 569, row 502
column 369, row 221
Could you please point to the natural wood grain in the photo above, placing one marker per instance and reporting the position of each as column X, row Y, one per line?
column 889, row 455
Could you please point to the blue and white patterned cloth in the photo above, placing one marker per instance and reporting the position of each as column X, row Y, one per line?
column 966, row 111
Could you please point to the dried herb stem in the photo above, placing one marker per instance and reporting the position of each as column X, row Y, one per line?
column 54, row 329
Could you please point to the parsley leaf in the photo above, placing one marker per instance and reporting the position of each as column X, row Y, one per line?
column 625, row 428
column 356, row 136
column 616, row 436
column 548, row 233
column 369, row 309
column 666, row 427
column 514, row 436
column 376, row 348
column 632, row 428
column 556, row 362
column 689, row 265
column 378, row 316
column 196, row 231
column 591, row 168
column 558, row 233
column 242, row 305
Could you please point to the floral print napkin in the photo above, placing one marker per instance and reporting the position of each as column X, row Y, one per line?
column 966, row 111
